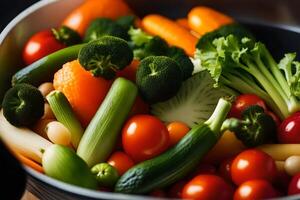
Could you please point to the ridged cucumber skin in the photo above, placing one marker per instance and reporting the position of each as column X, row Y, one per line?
column 43, row 70
column 171, row 165
column 102, row 133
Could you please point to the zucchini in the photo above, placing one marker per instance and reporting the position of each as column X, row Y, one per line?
column 43, row 70
column 63, row 164
column 178, row 161
column 102, row 133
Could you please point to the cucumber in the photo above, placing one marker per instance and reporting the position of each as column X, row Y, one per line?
column 43, row 70
column 63, row 164
column 102, row 133
column 178, row 161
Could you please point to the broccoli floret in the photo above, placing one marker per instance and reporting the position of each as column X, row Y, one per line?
column 126, row 21
column 255, row 128
column 23, row 105
column 67, row 36
column 103, row 26
column 105, row 56
column 158, row 78
column 184, row 62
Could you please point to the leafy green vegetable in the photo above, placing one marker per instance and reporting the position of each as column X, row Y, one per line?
column 67, row 36
column 23, row 105
column 194, row 102
column 105, row 56
column 158, row 78
column 104, row 26
column 106, row 175
column 255, row 128
column 248, row 67
column 126, row 21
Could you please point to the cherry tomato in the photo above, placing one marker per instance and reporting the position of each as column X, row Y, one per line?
column 275, row 117
column 144, row 137
column 207, row 187
column 294, row 186
column 121, row 161
column 158, row 193
column 39, row 45
column 253, row 164
column 255, row 190
column 244, row 101
column 289, row 130
column 139, row 107
column 176, row 189
column 177, row 130
column 225, row 169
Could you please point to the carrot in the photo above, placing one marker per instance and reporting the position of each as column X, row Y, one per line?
column 30, row 163
column 203, row 19
column 171, row 31
column 183, row 22
column 80, row 18
column 84, row 91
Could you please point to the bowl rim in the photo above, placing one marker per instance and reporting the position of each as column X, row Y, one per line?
column 76, row 190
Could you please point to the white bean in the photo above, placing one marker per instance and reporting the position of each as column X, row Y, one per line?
column 58, row 133
column 46, row 88
column 292, row 165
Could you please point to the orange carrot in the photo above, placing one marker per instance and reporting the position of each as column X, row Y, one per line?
column 26, row 161
column 183, row 22
column 171, row 31
column 80, row 18
column 203, row 19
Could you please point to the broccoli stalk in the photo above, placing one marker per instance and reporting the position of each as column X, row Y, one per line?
column 255, row 128
column 248, row 67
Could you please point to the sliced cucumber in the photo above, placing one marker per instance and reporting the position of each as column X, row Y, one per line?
column 194, row 102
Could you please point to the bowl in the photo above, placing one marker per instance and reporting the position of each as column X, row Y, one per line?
column 45, row 14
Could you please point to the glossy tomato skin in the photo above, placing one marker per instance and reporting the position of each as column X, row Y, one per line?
column 121, row 161
column 243, row 101
column 294, row 186
column 289, row 129
column 253, row 164
column 40, row 45
column 144, row 137
column 207, row 187
column 256, row 189
column 225, row 169
column 177, row 130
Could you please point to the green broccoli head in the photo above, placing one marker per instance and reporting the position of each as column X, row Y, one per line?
column 183, row 60
column 105, row 56
column 126, row 21
column 158, row 78
column 23, row 105
column 67, row 36
column 255, row 128
column 103, row 26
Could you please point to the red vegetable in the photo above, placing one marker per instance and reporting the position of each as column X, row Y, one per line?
column 253, row 164
column 121, row 161
column 289, row 130
column 294, row 186
column 176, row 189
column 225, row 169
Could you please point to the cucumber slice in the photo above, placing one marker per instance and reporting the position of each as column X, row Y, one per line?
column 194, row 102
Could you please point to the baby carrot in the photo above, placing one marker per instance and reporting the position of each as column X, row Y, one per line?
column 26, row 161
column 172, row 32
column 183, row 22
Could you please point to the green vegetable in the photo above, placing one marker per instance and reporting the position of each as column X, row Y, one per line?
column 23, row 105
column 63, row 164
column 64, row 114
column 178, row 161
column 106, row 175
column 126, row 21
column 145, row 45
column 102, row 133
column 194, row 102
column 67, row 36
column 158, row 78
column 43, row 70
column 248, row 67
column 254, row 129
column 183, row 60
column 105, row 56
column 104, row 26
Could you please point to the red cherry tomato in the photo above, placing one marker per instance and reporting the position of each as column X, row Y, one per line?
column 255, row 190
column 144, row 137
column 289, row 130
column 244, row 101
column 177, row 131
column 39, row 45
column 176, row 190
column 294, row 186
column 121, row 161
column 253, row 164
column 225, row 169
column 207, row 187
column 139, row 107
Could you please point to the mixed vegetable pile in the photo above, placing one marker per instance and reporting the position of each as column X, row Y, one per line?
column 192, row 108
